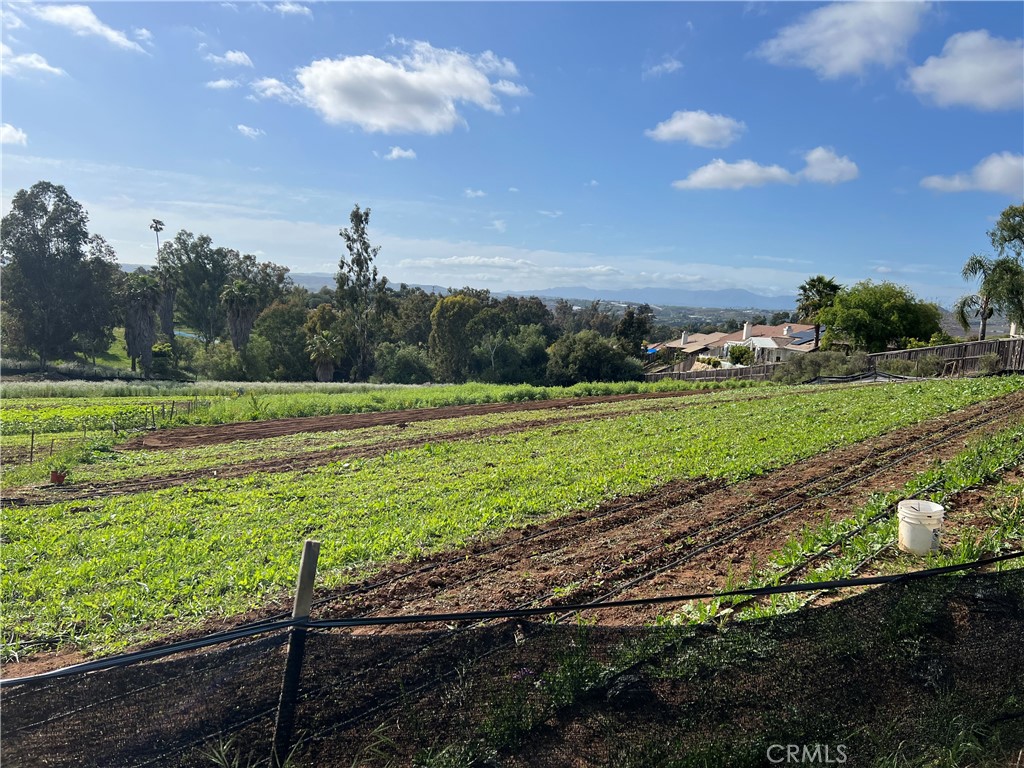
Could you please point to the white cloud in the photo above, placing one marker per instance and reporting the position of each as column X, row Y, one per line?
column 550, row 214
column 845, row 38
column 472, row 193
column 293, row 9
column 974, row 70
column 250, row 133
column 270, row 88
column 397, row 153
column 698, row 128
column 223, row 84
column 719, row 174
column 25, row 62
column 421, row 91
column 82, row 21
column 1002, row 172
column 666, row 67
column 592, row 183
column 513, row 189
column 11, row 135
column 230, row 59
column 10, row 20
column 499, row 225
column 143, row 34
column 822, row 166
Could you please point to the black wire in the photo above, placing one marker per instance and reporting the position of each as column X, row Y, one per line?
column 223, row 637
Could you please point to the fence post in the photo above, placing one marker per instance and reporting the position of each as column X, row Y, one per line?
column 284, row 725
column 32, row 447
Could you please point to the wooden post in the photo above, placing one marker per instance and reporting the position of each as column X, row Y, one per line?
column 52, row 440
column 172, row 410
column 284, row 725
column 32, row 447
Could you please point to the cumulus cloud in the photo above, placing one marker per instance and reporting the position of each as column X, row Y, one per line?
column 421, row 91
column 11, row 21
column 143, row 34
column 11, row 135
column 513, row 189
column 1002, row 172
column 719, row 174
column 499, row 225
column 698, row 128
column 293, row 9
column 397, row 153
column 82, row 21
column 974, row 70
column 592, row 183
column 223, row 84
column 230, row 59
column 25, row 62
column 666, row 67
column 472, row 193
column 250, row 133
column 822, row 166
column 846, row 38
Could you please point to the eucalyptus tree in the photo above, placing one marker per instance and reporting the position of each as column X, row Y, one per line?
column 48, row 284
column 361, row 293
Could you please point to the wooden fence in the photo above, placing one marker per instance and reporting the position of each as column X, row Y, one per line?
column 953, row 360
column 759, row 372
column 969, row 357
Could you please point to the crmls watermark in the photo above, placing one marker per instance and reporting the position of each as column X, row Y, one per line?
column 820, row 754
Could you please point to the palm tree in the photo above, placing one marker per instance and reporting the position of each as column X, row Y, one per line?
column 242, row 301
column 141, row 299
column 325, row 349
column 815, row 294
column 1001, row 290
column 158, row 227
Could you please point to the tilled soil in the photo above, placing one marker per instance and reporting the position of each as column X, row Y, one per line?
column 190, row 437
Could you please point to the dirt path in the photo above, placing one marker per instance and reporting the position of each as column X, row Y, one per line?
column 190, row 437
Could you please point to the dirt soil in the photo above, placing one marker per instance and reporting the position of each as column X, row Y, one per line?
column 190, row 437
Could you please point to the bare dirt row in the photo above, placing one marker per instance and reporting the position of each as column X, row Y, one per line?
column 190, row 437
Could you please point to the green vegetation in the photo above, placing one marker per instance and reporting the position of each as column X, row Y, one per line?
column 104, row 574
column 224, row 402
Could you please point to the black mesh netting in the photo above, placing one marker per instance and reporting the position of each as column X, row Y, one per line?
column 928, row 672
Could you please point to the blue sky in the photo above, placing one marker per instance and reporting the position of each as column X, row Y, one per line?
column 524, row 146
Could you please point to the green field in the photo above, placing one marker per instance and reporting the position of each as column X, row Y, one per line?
column 103, row 574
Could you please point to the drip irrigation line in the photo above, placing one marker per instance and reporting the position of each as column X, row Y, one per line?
column 514, row 613
column 691, row 554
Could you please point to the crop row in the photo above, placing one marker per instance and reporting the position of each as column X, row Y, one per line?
column 23, row 415
column 95, row 461
column 106, row 574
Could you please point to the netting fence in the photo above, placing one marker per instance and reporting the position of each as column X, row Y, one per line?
column 916, row 671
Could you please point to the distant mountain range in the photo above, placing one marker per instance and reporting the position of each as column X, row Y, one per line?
column 670, row 297
column 721, row 299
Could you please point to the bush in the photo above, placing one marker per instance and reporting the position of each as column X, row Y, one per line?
column 741, row 355
column 402, row 364
column 810, row 365
column 990, row 363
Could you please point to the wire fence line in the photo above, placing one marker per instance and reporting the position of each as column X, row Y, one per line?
column 258, row 628
column 537, row 693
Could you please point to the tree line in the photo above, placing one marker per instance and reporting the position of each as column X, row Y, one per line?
column 225, row 315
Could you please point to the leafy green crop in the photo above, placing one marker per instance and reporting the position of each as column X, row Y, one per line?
column 105, row 574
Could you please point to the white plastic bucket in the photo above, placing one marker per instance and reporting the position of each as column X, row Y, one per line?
column 920, row 526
